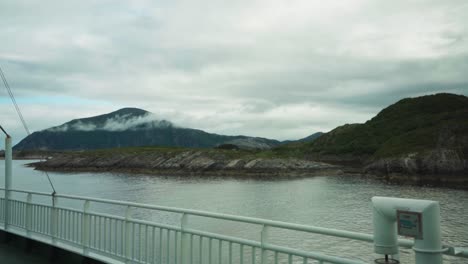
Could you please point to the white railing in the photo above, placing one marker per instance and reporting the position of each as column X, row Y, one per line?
column 68, row 222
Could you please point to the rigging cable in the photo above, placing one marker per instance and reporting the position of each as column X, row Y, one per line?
column 6, row 134
column 18, row 111
column 14, row 101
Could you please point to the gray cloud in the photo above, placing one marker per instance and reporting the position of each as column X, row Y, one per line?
column 265, row 68
column 115, row 123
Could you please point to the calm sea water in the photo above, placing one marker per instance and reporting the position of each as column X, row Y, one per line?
column 341, row 202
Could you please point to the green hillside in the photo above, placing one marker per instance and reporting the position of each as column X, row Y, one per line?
column 411, row 125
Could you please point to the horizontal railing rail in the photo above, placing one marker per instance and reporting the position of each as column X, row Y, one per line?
column 125, row 239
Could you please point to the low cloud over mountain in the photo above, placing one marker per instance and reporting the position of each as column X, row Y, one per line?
column 117, row 122
column 129, row 127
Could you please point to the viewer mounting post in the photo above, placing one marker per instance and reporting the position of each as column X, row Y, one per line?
column 8, row 158
column 419, row 219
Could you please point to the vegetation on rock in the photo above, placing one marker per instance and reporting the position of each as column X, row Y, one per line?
column 411, row 125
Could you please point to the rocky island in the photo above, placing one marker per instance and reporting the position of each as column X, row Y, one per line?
column 180, row 161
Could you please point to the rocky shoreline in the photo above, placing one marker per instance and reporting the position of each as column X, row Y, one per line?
column 434, row 162
column 441, row 168
column 188, row 163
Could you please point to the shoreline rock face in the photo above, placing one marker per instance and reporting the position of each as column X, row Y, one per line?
column 187, row 162
column 441, row 165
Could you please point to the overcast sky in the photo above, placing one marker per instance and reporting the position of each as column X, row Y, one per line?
column 276, row 69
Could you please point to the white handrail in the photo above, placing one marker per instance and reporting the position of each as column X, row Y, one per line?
column 66, row 216
column 244, row 219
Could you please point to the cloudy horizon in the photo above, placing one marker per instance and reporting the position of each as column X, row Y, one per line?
column 274, row 69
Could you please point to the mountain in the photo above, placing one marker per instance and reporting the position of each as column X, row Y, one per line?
column 422, row 135
column 309, row 138
column 129, row 127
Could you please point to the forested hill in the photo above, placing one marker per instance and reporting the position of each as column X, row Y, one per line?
column 410, row 125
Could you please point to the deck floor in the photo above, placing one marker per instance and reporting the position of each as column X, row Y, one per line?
column 14, row 255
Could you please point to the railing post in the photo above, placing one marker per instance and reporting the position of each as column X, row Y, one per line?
column 8, row 178
column 263, row 243
column 28, row 214
column 128, row 239
column 85, row 228
column 54, row 219
column 185, row 240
